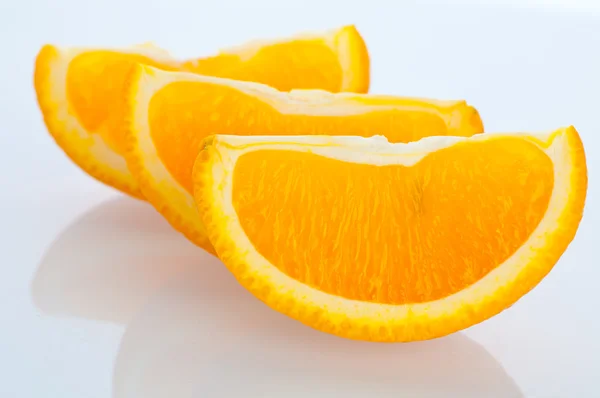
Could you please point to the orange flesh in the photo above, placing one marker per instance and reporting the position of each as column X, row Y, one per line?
column 96, row 79
column 393, row 234
column 284, row 66
column 182, row 114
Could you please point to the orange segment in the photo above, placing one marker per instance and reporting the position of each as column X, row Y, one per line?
column 391, row 242
column 341, row 57
column 392, row 245
column 170, row 114
column 90, row 151
column 78, row 89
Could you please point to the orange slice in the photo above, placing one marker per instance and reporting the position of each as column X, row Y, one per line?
column 78, row 88
column 169, row 114
column 391, row 242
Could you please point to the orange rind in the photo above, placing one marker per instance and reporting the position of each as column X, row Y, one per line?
column 370, row 240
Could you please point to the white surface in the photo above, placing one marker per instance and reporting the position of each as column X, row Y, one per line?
column 99, row 298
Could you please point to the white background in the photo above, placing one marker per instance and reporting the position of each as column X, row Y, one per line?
column 100, row 298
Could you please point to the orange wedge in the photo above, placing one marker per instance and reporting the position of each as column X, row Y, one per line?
column 168, row 114
column 78, row 88
column 391, row 242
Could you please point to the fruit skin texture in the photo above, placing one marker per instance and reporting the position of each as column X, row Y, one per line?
column 87, row 138
column 388, row 323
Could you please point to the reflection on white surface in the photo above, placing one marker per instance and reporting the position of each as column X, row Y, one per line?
column 200, row 333
column 204, row 335
column 109, row 261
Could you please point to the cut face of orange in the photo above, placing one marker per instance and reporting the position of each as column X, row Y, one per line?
column 78, row 88
column 169, row 114
column 391, row 242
